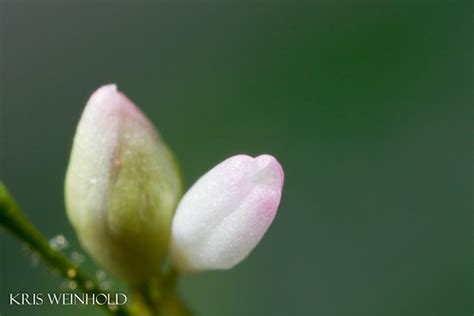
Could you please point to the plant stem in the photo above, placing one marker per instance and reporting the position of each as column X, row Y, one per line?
column 16, row 222
column 159, row 297
column 172, row 303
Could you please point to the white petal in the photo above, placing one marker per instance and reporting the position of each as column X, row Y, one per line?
column 226, row 212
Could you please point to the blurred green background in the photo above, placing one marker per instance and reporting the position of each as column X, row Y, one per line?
column 367, row 104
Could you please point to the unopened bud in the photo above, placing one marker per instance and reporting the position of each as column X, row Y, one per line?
column 122, row 186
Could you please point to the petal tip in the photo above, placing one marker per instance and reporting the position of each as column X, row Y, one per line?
column 105, row 91
column 270, row 167
column 108, row 100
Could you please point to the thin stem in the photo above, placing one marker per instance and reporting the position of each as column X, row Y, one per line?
column 159, row 297
column 16, row 222
column 172, row 302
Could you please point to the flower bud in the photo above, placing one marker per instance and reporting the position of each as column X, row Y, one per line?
column 225, row 213
column 122, row 186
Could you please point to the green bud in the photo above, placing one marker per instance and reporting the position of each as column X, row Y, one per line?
column 122, row 187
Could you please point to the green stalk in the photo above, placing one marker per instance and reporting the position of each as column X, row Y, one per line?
column 16, row 222
column 158, row 297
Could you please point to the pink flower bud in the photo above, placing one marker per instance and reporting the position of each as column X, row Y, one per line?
column 226, row 212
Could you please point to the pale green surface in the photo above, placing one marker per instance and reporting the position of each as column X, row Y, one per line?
column 122, row 187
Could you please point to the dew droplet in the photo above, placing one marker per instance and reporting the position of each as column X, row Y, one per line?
column 59, row 242
column 105, row 285
column 71, row 273
column 89, row 285
column 35, row 259
column 72, row 285
column 77, row 257
column 101, row 275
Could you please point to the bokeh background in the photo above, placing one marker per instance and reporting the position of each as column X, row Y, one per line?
column 367, row 104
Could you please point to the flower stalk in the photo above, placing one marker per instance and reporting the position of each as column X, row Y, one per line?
column 16, row 222
column 159, row 297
